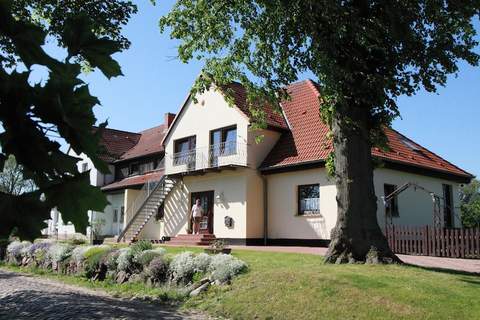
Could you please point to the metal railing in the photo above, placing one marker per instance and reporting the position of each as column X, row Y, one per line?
column 134, row 209
column 213, row 156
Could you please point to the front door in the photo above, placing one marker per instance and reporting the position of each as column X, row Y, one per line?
column 206, row 200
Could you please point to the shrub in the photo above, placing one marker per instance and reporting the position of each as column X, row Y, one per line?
column 94, row 264
column 59, row 252
column 35, row 248
column 224, row 267
column 78, row 254
column 202, row 262
column 145, row 257
column 111, row 260
column 140, row 246
column 182, row 267
column 158, row 269
column 16, row 249
column 125, row 260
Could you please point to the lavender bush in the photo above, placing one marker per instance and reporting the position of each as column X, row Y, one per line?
column 224, row 267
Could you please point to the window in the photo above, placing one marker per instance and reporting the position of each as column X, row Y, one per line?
column 184, row 151
column 134, row 169
column 223, row 142
column 447, row 206
column 84, row 167
column 391, row 207
column 308, row 199
column 122, row 214
column 115, row 215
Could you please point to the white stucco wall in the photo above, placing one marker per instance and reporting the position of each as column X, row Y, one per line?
column 415, row 207
column 209, row 113
column 116, row 202
column 230, row 199
column 283, row 220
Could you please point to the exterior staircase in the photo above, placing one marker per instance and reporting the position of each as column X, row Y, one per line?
column 192, row 239
column 145, row 207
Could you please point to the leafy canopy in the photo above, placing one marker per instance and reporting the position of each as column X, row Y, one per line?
column 106, row 17
column 60, row 105
column 363, row 53
column 470, row 204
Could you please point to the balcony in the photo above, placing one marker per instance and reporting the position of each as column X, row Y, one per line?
column 226, row 154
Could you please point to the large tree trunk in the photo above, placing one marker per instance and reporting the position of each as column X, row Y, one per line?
column 356, row 236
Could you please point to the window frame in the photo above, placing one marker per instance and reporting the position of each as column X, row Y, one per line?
column 299, row 199
column 223, row 140
column 395, row 212
column 192, row 142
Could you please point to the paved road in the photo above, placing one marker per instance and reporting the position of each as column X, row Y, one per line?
column 28, row 297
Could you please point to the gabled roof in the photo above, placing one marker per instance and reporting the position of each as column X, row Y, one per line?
column 115, row 143
column 307, row 140
column 150, row 142
column 121, row 145
column 273, row 118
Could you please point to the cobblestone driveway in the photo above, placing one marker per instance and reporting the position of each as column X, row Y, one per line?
column 29, row 297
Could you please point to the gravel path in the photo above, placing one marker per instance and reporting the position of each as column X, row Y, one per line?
column 28, row 297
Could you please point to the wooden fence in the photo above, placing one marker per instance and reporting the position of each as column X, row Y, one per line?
column 432, row 241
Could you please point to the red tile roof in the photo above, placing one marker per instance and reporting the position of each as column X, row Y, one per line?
column 273, row 118
column 150, row 142
column 115, row 143
column 307, row 140
column 134, row 180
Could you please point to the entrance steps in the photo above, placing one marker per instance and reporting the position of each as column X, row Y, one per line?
column 193, row 239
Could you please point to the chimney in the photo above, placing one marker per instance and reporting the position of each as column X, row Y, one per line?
column 169, row 119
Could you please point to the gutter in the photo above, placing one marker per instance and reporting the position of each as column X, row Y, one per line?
column 265, row 210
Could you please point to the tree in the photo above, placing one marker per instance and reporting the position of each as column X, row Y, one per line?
column 364, row 54
column 61, row 105
column 470, row 204
column 12, row 180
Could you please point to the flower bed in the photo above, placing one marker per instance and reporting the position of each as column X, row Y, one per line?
column 187, row 272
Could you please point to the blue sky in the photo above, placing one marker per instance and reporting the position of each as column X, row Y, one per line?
column 156, row 82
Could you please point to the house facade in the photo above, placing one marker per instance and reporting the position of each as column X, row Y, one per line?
column 275, row 191
column 134, row 159
column 278, row 191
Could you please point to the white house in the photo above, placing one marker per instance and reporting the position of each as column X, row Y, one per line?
column 276, row 191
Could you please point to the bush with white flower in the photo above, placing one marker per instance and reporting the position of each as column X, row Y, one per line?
column 224, row 267
column 182, row 268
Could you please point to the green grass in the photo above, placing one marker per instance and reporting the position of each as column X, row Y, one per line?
column 298, row 286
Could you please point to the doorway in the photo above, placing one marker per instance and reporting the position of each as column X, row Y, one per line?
column 206, row 201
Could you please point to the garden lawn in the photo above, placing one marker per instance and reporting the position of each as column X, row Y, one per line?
column 300, row 286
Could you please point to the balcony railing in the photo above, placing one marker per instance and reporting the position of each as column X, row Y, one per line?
column 215, row 156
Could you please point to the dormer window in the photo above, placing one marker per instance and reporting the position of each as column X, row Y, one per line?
column 410, row 144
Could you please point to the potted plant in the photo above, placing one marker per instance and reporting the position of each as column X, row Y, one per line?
column 218, row 246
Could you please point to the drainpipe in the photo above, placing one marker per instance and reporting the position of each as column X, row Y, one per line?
column 265, row 210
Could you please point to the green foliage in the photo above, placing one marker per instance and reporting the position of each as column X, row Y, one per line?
column 470, row 204
column 364, row 54
column 140, row 246
column 94, row 257
column 107, row 17
column 60, row 105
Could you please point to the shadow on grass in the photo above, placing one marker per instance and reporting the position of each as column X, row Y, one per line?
column 445, row 270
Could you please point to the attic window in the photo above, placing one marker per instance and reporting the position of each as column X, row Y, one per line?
column 410, row 144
